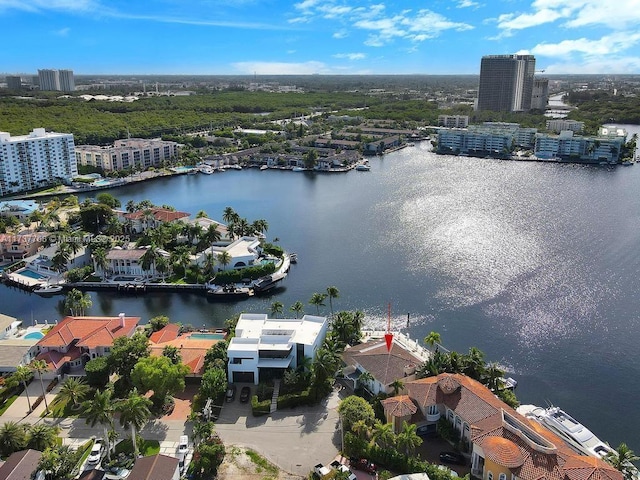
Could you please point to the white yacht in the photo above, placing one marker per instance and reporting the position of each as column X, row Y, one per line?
column 568, row 428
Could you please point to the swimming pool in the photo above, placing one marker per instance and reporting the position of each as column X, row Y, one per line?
column 101, row 183
column 33, row 335
column 31, row 274
column 207, row 336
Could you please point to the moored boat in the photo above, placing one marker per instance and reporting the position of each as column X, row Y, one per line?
column 363, row 167
column 229, row 292
column 268, row 282
column 46, row 289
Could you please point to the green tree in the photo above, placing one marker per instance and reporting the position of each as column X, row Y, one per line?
column 622, row 459
column 332, row 292
column 432, row 339
column 134, row 414
column 366, row 380
column 353, row 409
column 42, row 436
column 40, row 366
column 208, row 458
column 97, row 372
column 408, row 440
column 158, row 322
column 224, row 259
column 23, row 374
column 213, row 384
column 74, row 391
column 77, row 303
column 298, row 308
column 397, row 386
column 12, row 438
column 107, row 199
column 317, row 299
column 100, row 410
column 125, row 353
column 217, row 352
column 58, row 462
column 276, row 308
column 172, row 353
column 202, row 431
column 383, row 434
column 161, row 375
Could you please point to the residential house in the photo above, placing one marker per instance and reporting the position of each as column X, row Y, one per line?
column 14, row 351
column 193, row 347
column 263, row 346
column 22, row 465
column 21, row 245
column 155, row 467
column 141, row 220
column 243, row 252
column 127, row 262
column 503, row 444
column 21, row 209
column 379, row 146
column 384, row 366
column 76, row 340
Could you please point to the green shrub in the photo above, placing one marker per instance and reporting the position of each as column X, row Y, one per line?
column 97, row 371
column 260, row 408
column 292, row 400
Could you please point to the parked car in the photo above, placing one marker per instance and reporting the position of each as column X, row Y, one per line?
column 183, row 444
column 96, row 453
column 428, row 430
column 363, row 464
column 245, row 393
column 452, row 457
column 231, row 393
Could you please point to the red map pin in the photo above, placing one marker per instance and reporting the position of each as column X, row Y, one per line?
column 388, row 337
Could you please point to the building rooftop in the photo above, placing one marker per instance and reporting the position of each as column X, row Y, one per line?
column 89, row 332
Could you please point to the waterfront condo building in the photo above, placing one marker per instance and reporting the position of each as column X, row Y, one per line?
column 36, row 160
column 506, row 83
column 56, row 80
column 135, row 153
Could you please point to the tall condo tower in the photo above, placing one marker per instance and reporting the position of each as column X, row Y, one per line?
column 56, row 80
column 506, row 83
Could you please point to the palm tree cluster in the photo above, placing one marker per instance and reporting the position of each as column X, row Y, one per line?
column 18, row 436
column 239, row 227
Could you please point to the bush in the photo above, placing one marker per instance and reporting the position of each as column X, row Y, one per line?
column 78, row 274
column 292, row 400
column 260, row 408
column 97, row 371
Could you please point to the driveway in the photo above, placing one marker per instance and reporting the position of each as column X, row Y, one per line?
column 294, row 439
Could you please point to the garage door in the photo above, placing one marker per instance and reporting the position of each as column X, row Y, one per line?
column 243, row 377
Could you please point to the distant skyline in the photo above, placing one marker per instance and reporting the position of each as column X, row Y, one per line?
column 266, row 37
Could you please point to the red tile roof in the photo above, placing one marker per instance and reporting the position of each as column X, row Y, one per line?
column 90, row 332
column 154, row 467
column 20, row 465
column 160, row 214
column 400, row 406
column 56, row 359
column 503, row 452
column 385, row 366
column 192, row 350
column 166, row 334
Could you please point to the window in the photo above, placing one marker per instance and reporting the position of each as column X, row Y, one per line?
column 489, row 476
column 503, row 476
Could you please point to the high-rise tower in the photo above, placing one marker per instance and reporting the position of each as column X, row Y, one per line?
column 506, row 83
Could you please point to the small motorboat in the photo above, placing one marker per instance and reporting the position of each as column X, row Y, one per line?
column 46, row 289
column 363, row 167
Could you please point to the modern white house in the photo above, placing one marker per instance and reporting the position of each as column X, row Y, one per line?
column 36, row 160
column 243, row 252
column 268, row 346
column 20, row 209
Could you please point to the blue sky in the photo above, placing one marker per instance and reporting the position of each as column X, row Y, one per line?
column 228, row 37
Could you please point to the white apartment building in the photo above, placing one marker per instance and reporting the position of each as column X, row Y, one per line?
column 36, row 160
column 568, row 146
column 56, row 80
column 134, row 153
column 263, row 346
column 560, row 124
column 453, row 121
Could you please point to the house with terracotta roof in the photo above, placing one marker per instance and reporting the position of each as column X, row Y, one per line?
column 193, row 347
column 75, row 340
column 21, row 245
column 385, row 366
column 155, row 467
column 503, row 444
column 141, row 220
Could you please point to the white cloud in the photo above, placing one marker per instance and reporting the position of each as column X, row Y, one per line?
column 620, row 65
column 609, row 45
column 341, row 34
column 350, row 56
column 280, row 68
column 63, row 32
column 510, row 21
column 467, row 4
column 42, row 5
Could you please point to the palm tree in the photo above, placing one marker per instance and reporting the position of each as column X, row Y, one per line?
column 365, row 379
column 23, row 374
column 622, row 459
column 474, row 364
column 77, row 302
column 408, row 440
column 493, row 377
column 317, row 299
column 100, row 259
column 297, row 307
column 361, row 429
column 397, row 386
column 134, row 414
column 42, row 436
column 61, row 258
column 332, row 292
column 209, row 263
column 148, row 260
column 383, row 434
column 432, row 339
column 40, row 366
column 162, row 266
column 224, row 259
column 229, row 215
column 276, row 307
column 212, row 235
column 100, row 410
column 12, row 438
column 74, row 391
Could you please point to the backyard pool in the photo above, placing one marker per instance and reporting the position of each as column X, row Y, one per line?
column 33, row 335
column 207, row 336
column 31, row 274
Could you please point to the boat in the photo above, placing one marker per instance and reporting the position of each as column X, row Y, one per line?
column 268, row 282
column 229, row 292
column 192, row 171
column 579, row 437
column 46, row 289
column 293, row 257
column 263, row 167
column 298, row 169
column 206, row 169
column 363, row 167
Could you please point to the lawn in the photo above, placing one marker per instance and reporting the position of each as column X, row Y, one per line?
column 146, row 447
column 61, row 409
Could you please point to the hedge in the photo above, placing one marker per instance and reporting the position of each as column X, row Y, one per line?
column 260, row 408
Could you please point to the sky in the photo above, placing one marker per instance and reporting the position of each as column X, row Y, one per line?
column 350, row 37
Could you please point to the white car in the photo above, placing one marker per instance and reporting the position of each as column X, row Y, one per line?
column 96, row 453
column 183, row 444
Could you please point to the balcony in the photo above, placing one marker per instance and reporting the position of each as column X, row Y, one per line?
column 432, row 417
